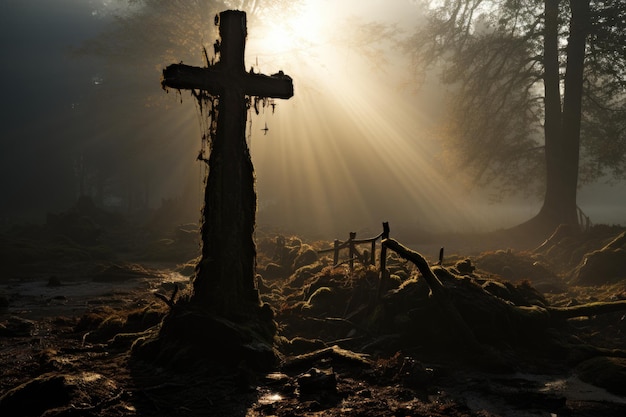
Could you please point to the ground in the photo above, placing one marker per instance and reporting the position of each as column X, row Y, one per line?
column 346, row 346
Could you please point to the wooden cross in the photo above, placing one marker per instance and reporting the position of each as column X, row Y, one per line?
column 224, row 282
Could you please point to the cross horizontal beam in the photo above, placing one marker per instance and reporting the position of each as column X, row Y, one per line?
column 215, row 80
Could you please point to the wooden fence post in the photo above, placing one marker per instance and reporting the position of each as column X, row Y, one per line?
column 383, row 257
column 373, row 253
column 351, row 248
column 336, row 252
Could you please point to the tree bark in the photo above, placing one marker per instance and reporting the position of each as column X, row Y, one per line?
column 572, row 104
column 561, row 125
column 552, row 208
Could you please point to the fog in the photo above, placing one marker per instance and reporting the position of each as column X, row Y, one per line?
column 352, row 148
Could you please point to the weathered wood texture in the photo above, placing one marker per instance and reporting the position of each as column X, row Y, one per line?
column 224, row 281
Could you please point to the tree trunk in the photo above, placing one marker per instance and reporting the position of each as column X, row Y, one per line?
column 561, row 127
column 554, row 205
column 572, row 104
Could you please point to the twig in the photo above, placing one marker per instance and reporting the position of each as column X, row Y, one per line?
column 616, row 243
column 171, row 301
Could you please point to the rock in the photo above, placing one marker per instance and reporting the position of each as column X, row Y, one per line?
column 57, row 394
column 315, row 380
column 35, row 396
column 605, row 372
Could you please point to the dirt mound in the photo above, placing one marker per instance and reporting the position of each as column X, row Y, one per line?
column 516, row 267
column 605, row 372
column 604, row 265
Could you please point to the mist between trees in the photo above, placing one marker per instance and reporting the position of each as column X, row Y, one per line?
column 416, row 114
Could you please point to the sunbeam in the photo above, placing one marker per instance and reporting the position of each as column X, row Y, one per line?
column 350, row 149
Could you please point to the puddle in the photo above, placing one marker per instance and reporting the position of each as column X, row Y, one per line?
column 269, row 398
column 35, row 298
column 575, row 389
column 498, row 395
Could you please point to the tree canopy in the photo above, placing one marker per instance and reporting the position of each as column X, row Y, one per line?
column 510, row 67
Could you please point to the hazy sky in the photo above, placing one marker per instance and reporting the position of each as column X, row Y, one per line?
column 351, row 149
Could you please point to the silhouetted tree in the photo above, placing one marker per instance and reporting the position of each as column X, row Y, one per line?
column 517, row 67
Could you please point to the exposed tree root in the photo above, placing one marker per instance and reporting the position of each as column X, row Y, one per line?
column 438, row 292
column 587, row 310
column 478, row 317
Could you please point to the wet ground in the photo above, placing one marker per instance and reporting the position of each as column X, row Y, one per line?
column 63, row 352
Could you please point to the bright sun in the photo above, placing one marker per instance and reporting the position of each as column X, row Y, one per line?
column 279, row 40
column 299, row 29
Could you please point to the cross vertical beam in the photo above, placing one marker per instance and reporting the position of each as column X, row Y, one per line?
column 224, row 282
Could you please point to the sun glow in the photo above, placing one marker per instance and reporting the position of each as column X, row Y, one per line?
column 278, row 40
column 301, row 28
column 351, row 148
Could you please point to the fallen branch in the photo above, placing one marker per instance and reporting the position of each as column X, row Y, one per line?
column 616, row 243
column 334, row 353
column 171, row 301
column 521, row 317
column 438, row 292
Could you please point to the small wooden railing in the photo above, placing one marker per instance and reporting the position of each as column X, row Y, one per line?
column 353, row 251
